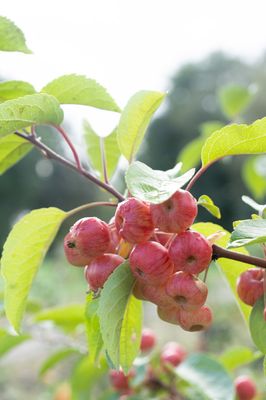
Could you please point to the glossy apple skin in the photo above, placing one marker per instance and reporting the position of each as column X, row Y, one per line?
column 187, row 290
column 150, row 263
column 73, row 254
column 169, row 314
column 197, row 320
column 148, row 340
column 190, row 252
column 245, row 388
column 100, row 268
column 176, row 214
column 156, row 294
column 133, row 221
column 250, row 285
column 173, row 354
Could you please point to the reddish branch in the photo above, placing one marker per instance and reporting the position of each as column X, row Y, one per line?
column 220, row 252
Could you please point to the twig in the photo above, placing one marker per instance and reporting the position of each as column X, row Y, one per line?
column 220, row 252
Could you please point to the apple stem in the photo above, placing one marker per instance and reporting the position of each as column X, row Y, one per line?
column 90, row 205
column 103, row 160
column 198, row 175
column 220, row 252
column 50, row 154
column 70, row 144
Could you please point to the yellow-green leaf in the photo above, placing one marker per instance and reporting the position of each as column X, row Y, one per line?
column 13, row 89
column 12, row 149
column 11, row 37
column 66, row 317
column 206, row 202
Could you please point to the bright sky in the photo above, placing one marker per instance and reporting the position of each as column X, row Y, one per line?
column 128, row 45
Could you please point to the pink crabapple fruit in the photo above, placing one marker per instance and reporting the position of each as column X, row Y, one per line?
column 197, row 320
column 133, row 220
column 187, row 290
column 190, row 252
column 100, row 268
column 72, row 253
column 156, row 294
column 120, row 381
column 250, row 285
column 176, row 214
column 245, row 388
column 89, row 236
column 148, row 340
column 173, row 354
column 150, row 263
column 169, row 314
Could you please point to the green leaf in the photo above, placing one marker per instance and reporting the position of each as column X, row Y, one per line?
column 257, row 325
column 67, row 317
column 253, row 204
column 235, row 357
column 249, row 231
column 254, row 176
column 29, row 110
column 23, row 253
column 190, row 154
column 135, row 119
column 111, row 149
column 208, row 376
column 230, row 269
column 11, row 37
column 94, row 336
column 8, row 342
column 13, row 89
column 152, row 185
column 56, row 357
column 118, row 316
column 264, row 365
column 235, row 140
column 12, row 149
column 206, row 202
column 234, row 99
column 78, row 89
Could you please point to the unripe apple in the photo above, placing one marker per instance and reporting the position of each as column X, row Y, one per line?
column 169, row 314
column 245, row 388
column 191, row 252
column 187, row 290
column 89, row 236
column 176, row 214
column 98, row 271
column 197, row 320
column 250, row 285
column 156, row 294
column 150, row 264
column 148, row 340
column 133, row 220
column 172, row 353
column 73, row 254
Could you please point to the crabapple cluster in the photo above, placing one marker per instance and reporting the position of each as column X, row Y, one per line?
column 165, row 255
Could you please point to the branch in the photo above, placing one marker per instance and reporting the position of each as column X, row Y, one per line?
column 220, row 252
column 50, row 154
column 70, row 144
column 198, row 175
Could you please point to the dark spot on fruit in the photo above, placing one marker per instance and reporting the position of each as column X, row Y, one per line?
column 180, row 299
column 191, row 259
column 195, row 328
column 140, row 272
column 71, row 245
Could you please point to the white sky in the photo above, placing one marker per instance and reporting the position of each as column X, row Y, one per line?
column 127, row 45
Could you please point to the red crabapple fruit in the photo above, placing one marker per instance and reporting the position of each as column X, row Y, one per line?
column 197, row 320
column 190, row 252
column 100, row 268
column 250, row 285
column 172, row 353
column 73, row 254
column 120, row 381
column 187, row 290
column 150, row 264
column 169, row 314
column 245, row 388
column 114, row 238
column 89, row 236
column 176, row 214
column 148, row 340
column 156, row 294
column 133, row 220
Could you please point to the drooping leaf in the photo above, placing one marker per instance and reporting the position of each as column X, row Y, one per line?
column 208, row 375
column 56, row 358
column 235, row 357
column 119, row 315
column 13, row 89
column 234, row 99
column 29, row 110
column 93, row 330
column 11, row 37
column 254, row 176
column 135, row 119
column 12, row 149
column 230, row 269
column 23, row 253
column 190, row 154
column 249, row 231
column 206, row 202
column 111, row 149
column 153, row 185
column 257, row 325
column 235, row 140
column 67, row 317
column 8, row 342
column 78, row 89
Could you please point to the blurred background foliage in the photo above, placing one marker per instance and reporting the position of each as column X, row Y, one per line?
column 203, row 96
